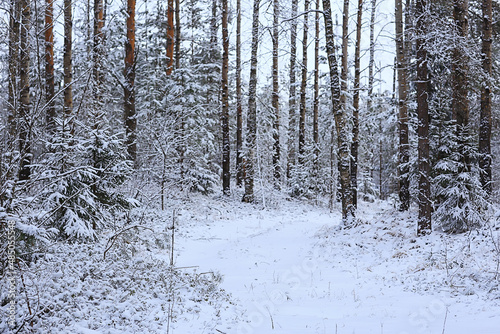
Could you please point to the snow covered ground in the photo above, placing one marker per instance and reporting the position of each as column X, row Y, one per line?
column 285, row 268
column 292, row 270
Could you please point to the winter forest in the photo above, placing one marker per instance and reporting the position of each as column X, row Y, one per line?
column 255, row 166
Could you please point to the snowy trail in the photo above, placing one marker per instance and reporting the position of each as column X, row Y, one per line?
column 285, row 281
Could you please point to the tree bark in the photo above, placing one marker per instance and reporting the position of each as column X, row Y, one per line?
column 339, row 114
column 98, row 47
column 170, row 36
column 404, row 152
column 239, row 109
column 347, row 195
column 226, row 146
column 485, row 118
column 252, row 110
column 177, row 34
column 355, row 111
column 460, row 69
column 292, row 111
column 24, row 120
column 49, row 66
column 303, row 87
column 68, row 68
column 424, row 204
column 129, row 87
column 316, row 92
column 275, row 96
column 13, row 71
column 371, row 62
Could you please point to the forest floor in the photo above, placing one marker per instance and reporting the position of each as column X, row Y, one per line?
column 290, row 268
column 283, row 267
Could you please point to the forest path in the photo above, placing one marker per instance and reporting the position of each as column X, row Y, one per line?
column 288, row 277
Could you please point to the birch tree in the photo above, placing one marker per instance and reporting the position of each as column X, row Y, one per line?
column 339, row 115
column 251, row 135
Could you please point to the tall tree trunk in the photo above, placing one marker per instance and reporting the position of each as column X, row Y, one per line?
column 371, row 62
column 340, row 115
column 460, row 70
column 292, row 111
column 239, row 109
column 485, row 120
column 303, row 88
column 252, row 110
column 49, row 66
column 404, row 152
column 129, row 87
column 345, row 45
column 213, row 31
column 170, row 36
column 98, row 47
column 424, row 204
column 24, row 94
column 68, row 68
column 177, row 34
column 275, row 96
column 355, row 111
column 13, row 71
column 226, row 146
column 347, row 195
column 316, row 92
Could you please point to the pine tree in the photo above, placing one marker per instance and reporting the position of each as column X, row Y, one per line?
column 129, row 86
column 404, row 153
column 275, row 95
column 226, row 173
column 292, row 112
column 49, row 66
column 24, row 117
column 239, row 109
column 485, row 123
column 424, row 198
column 355, row 106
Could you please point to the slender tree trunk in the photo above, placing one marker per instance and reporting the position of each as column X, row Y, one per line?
column 424, row 204
column 213, row 31
column 347, row 194
column 316, row 92
column 371, row 62
column 13, row 71
column 49, row 66
column 340, row 115
column 24, row 94
column 404, row 152
column 226, row 146
column 303, row 88
column 98, row 47
column 355, row 112
column 239, row 109
column 460, row 70
column 170, row 36
column 275, row 96
column 345, row 45
column 68, row 68
column 292, row 111
column 252, row 110
column 485, row 120
column 177, row 34
column 129, row 87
